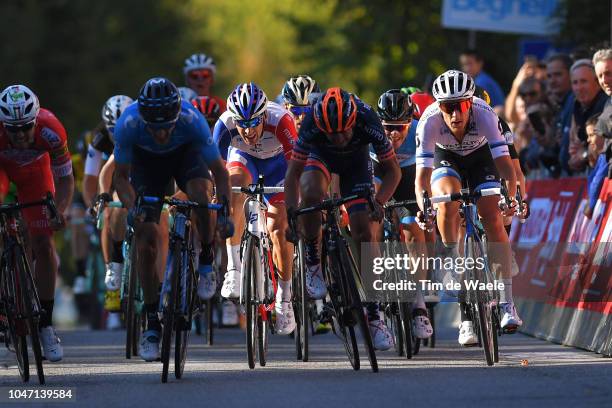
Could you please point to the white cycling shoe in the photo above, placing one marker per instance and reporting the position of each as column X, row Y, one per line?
column 113, row 276
column 231, row 284
column 52, row 348
column 149, row 345
column 467, row 335
column 315, row 284
column 285, row 319
column 381, row 336
column 422, row 326
column 207, row 284
column 510, row 321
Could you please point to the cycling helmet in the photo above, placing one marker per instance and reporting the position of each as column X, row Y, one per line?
column 208, row 106
column 247, row 101
column 187, row 94
column 481, row 93
column 18, row 105
column 335, row 111
column 113, row 108
column 199, row 61
column 395, row 106
column 159, row 101
column 453, row 86
column 297, row 90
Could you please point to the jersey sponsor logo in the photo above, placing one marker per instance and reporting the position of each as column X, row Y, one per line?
column 490, row 177
column 253, row 218
column 51, row 137
column 509, row 137
column 20, row 156
column 57, row 153
column 445, row 163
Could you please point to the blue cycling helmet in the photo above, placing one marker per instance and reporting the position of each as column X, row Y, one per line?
column 247, row 101
column 159, row 101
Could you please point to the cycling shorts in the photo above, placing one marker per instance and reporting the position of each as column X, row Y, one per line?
column 475, row 170
column 273, row 170
column 356, row 174
column 154, row 174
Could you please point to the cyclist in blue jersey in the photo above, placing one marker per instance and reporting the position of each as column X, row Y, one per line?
column 395, row 110
column 159, row 140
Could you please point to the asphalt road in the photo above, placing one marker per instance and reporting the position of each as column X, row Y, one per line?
column 219, row 376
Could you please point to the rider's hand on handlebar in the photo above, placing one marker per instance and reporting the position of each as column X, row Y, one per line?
column 58, row 223
column 426, row 225
column 508, row 210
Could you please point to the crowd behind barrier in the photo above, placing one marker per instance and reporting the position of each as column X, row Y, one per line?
column 564, row 288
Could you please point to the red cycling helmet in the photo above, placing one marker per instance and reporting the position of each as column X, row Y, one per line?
column 422, row 100
column 335, row 111
column 208, row 106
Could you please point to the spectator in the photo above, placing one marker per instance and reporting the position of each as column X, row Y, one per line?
column 590, row 100
column 602, row 60
column 472, row 63
column 527, row 70
column 561, row 98
column 597, row 163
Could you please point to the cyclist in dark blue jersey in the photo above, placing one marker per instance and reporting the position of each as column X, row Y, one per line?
column 159, row 141
column 335, row 137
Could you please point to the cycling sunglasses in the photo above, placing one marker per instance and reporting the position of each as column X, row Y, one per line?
column 251, row 123
column 198, row 75
column 19, row 128
column 400, row 127
column 461, row 106
column 298, row 110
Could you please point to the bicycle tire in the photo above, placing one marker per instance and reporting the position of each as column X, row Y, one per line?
column 431, row 342
column 336, row 296
column 20, row 343
column 30, row 298
column 131, row 344
column 168, row 306
column 248, row 266
column 209, row 321
column 262, row 340
column 406, row 325
column 182, row 333
column 394, row 321
column 301, row 304
column 357, row 308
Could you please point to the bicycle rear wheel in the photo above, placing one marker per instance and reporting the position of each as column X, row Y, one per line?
column 263, row 328
column 168, row 310
column 250, row 298
column 20, row 343
column 131, row 320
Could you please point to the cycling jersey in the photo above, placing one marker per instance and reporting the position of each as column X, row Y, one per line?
column 100, row 149
column 278, row 135
column 483, row 127
column 509, row 137
column 190, row 128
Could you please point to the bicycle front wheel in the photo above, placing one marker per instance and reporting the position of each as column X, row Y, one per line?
column 249, row 286
column 168, row 305
column 300, row 303
column 131, row 320
column 182, row 333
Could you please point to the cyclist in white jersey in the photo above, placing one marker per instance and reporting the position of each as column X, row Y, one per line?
column 256, row 137
column 459, row 136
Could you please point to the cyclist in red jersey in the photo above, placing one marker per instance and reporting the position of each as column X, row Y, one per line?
column 200, row 70
column 34, row 154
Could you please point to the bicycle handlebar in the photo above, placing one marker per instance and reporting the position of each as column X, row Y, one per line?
column 48, row 202
column 254, row 189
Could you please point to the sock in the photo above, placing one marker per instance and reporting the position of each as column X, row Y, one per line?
column 419, row 302
column 206, row 259
column 81, row 265
column 152, row 320
column 284, row 290
column 465, row 314
column 312, row 252
column 506, row 295
column 117, row 252
column 233, row 256
column 47, row 313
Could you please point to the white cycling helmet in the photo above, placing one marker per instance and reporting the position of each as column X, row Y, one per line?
column 297, row 90
column 187, row 94
column 247, row 101
column 18, row 105
column 453, row 86
column 113, row 108
column 199, row 61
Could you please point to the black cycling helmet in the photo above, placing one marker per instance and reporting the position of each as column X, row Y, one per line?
column 159, row 101
column 395, row 106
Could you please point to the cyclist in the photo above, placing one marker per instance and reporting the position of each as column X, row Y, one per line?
column 35, row 156
column 200, row 70
column 159, row 139
column 460, row 134
column 335, row 138
column 256, row 137
column 98, row 178
column 396, row 111
column 209, row 107
column 296, row 96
